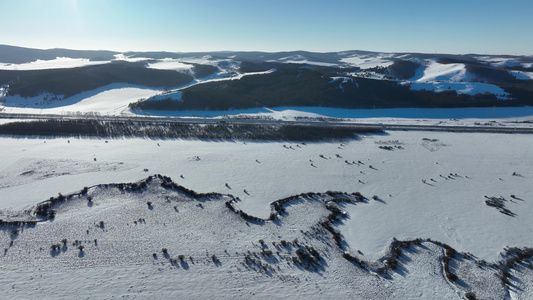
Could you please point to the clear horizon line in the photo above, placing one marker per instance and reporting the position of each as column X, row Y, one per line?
column 268, row 51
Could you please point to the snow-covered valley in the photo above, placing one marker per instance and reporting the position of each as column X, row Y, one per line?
column 463, row 75
column 394, row 215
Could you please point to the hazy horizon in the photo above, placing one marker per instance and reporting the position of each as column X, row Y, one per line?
column 452, row 27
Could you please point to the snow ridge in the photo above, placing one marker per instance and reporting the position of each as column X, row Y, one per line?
column 177, row 222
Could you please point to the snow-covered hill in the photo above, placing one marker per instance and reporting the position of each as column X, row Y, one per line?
column 464, row 74
column 397, row 215
column 433, row 75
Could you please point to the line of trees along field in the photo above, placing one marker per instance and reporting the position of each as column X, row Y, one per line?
column 110, row 129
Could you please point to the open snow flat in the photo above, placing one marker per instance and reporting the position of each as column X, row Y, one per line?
column 428, row 185
column 442, row 208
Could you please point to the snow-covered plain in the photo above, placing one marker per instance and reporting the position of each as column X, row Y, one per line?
column 35, row 169
column 447, row 208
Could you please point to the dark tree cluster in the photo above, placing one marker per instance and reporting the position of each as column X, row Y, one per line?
column 169, row 184
column 250, row 217
column 201, row 71
column 353, row 259
column 68, row 128
column 515, row 256
column 17, row 223
column 498, row 203
column 308, row 257
column 403, row 69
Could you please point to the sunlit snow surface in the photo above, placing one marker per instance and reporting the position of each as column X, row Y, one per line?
column 433, row 76
column 444, row 210
column 365, row 62
column 447, row 208
column 469, row 88
column 171, row 64
column 58, row 63
column 111, row 99
column 430, row 185
column 443, row 72
column 522, row 75
column 299, row 59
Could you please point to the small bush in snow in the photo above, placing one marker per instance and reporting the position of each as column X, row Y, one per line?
column 470, row 295
column 215, row 259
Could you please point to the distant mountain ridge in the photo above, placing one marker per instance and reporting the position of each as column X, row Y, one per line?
column 238, row 79
column 19, row 55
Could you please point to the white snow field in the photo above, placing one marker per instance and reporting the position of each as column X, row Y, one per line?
column 111, row 99
column 369, row 61
column 117, row 245
column 300, row 59
column 171, row 64
column 470, row 88
column 58, row 63
column 433, row 76
column 522, row 75
column 434, row 71
column 429, row 185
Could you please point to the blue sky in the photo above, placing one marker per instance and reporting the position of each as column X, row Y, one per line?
column 467, row 26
